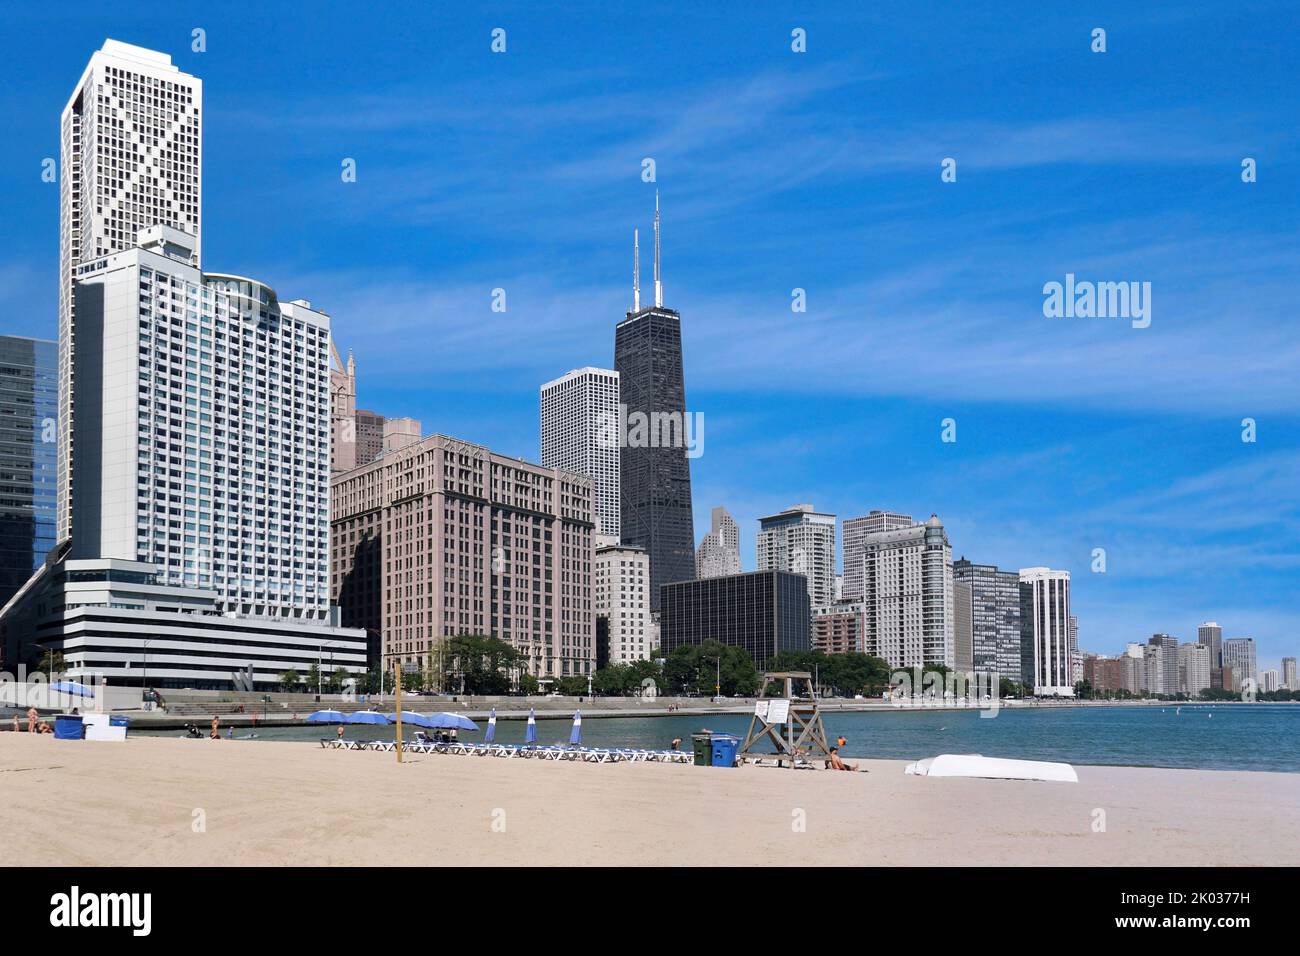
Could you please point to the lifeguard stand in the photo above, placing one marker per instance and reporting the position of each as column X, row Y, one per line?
column 804, row 735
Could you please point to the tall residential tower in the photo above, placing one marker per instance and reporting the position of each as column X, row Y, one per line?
column 131, row 157
column 801, row 541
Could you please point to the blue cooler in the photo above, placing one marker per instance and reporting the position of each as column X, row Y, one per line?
column 68, row 727
column 724, row 749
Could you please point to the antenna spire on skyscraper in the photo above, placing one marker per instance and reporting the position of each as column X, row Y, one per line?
column 659, row 287
column 636, row 270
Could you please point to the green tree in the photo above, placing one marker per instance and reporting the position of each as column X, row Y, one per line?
column 289, row 680
column 573, row 686
column 638, row 672
column 528, row 684
column 480, row 664
column 313, row 677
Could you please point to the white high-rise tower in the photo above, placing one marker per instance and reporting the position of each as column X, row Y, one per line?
column 580, row 424
column 131, row 158
column 1046, row 665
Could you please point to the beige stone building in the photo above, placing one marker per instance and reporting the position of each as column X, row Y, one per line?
column 445, row 537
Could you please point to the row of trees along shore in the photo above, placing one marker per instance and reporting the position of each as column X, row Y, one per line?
column 481, row 665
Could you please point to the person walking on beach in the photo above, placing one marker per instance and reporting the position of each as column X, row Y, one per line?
column 15, row 723
column 216, row 727
column 31, row 720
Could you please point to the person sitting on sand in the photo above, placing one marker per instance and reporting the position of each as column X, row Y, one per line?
column 841, row 741
column 835, row 763
column 46, row 728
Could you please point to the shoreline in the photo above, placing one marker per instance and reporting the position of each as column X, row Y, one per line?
column 592, row 709
column 135, row 802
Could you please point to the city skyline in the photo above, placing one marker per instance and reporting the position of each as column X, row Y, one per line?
column 1183, row 530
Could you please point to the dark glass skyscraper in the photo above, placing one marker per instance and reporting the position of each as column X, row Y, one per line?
column 765, row 612
column 655, row 472
column 29, row 399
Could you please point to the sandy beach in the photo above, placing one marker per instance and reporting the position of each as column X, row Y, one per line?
column 216, row 803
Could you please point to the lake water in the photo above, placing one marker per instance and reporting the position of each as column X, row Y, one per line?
column 1232, row 737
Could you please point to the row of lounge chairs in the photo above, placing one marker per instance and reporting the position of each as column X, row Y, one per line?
column 527, row 751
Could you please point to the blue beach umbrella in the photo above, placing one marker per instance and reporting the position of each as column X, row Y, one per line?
column 446, row 721
column 72, row 687
column 491, row 733
column 530, row 735
column 575, row 735
column 326, row 717
column 367, row 717
column 411, row 717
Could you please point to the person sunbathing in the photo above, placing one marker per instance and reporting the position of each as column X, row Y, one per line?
column 835, row 763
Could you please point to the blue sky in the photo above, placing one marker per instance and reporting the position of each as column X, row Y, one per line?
column 781, row 170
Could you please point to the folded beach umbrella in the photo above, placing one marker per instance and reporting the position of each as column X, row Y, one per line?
column 575, row 735
column 368, row 717
column 446, row 721
column 492, row 727
column 326, row 717
column 530, row 735
column 411, row 717
column 72, row 687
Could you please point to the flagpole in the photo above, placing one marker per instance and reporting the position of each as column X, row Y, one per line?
column 397, row 684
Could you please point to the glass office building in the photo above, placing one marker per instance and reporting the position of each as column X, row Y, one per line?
column 765, row 612
column 29, row 398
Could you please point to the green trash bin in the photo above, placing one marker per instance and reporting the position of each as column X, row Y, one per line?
column 702, row 744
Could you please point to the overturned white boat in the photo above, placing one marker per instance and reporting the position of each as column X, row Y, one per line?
column 994, row 768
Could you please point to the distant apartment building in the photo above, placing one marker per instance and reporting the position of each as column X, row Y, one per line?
column 1076, row 659
column 1239, row 655
column 579, row 434
column 995, row 617
column 1103, row 673
column 837, row 628
column 853, row 539
column 907, row 593
column 1046, row 668
column 622, row 601
column 370, row 436
column 1270, row 680
column 765, row 612
column 1133, row 674
column 1193, row 669
column 719, row 552
column 1211, row 635
column 801, row 541
column 1162, row 665
column 29, row 408
column 446, row 537
column 962, row 626
column 1289, row 674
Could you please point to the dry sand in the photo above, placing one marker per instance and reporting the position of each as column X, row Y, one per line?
column 272, row 803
